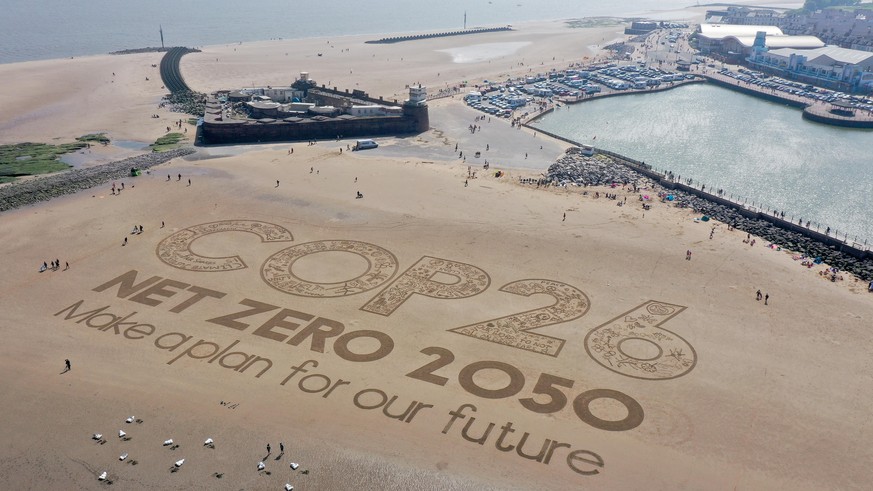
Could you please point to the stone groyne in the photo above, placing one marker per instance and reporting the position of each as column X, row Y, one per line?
column 595, row 171
column 134, row 51
column 32, row 191
column 416, row 37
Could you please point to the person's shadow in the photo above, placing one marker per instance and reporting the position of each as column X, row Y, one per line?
column 65, row 370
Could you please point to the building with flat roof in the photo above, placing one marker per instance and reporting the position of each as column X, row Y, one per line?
column 843, row 69
column 305, row 111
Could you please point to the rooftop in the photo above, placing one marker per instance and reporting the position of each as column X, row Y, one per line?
column 829, row 55
column 722, row 31
column 802, row 42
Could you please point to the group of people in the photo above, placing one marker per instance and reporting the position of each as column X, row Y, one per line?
column 765, row 296
column 55, row 265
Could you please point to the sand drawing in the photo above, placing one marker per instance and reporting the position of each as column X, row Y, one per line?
column 176, row 251
column 634, row 344
column 277, row 269
column 514, row 330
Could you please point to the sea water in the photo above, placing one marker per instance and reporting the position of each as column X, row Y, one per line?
column 757, row 151
column 45, row 29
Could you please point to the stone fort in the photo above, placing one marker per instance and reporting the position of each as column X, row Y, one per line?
column 305, row 111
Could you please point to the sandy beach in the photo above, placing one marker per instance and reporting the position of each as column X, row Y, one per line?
column 435, row 334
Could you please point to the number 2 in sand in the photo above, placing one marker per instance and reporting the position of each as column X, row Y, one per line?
column 514, row 330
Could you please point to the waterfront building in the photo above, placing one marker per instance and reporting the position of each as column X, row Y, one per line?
column 736, row 42
column 833, row 67
column 639, row 27
column 746, row 16
column 845, row 28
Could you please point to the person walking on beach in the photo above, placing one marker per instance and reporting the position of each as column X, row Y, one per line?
column 125, row 242
column 189, row 182
column 268, row 449
column 565, row 217
column 766, row 298
column 688, row 255
column 281, row 447
column 67, row 266
column 67, row 366
column 277, row 183
column 758, row 295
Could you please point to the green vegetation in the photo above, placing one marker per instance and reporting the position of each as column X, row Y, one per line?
column 813, row 5
column 94, row 137
column 167, row 142
column 27, row 159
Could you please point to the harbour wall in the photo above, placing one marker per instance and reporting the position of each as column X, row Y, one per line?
column 808, row 113
column 836, row 121
column 858, row 252
column 251, row 131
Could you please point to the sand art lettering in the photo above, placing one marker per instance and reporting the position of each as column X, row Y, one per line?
column 175, row 250
column 277, row 270
column 121, row 325
column 514, row 330
column 582, row 462
column 634, row 344
column 315, row 329
column 550, row 386
column 631, row 344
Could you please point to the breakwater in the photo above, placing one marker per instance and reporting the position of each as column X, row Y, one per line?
column 171, row 74
column 854, row 258
column 416, row 37
column 32, row 191
column 134, row 51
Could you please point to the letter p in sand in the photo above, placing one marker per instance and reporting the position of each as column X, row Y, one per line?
column 431, row 277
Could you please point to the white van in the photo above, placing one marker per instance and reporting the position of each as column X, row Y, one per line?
column 365, row 144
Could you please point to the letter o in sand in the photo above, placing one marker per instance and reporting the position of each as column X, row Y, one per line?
column 633, row 419
column 383, row 395
column 324, row 378
column 341, row 346
column 277, row 269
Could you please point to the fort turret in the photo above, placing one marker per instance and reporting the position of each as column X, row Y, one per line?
column 416, row 107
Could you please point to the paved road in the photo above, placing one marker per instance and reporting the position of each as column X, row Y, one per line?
column 449, row 120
